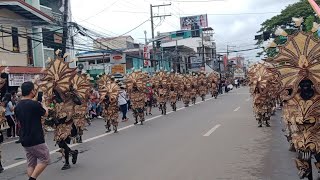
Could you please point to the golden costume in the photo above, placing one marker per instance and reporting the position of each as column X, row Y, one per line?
column 297, row 65
column 109, row 100
column 213, row 83
column 186, row 95
column 66, row 91
column 161, row 90
column 136, row 88
column 202, row 85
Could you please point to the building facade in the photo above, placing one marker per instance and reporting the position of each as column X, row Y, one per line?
column 31, row 31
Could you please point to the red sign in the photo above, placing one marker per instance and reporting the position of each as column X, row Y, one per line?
column 146, row 55
column 117, row 57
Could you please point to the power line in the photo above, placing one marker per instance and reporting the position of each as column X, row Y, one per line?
column 101, row 11
column 210, row 14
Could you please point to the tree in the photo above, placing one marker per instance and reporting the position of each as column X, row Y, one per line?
column 284, row 20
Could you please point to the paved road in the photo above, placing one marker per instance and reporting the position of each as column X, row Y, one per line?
column 213, row 140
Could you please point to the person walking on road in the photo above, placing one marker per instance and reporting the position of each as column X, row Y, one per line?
column 149, row 101
column 122, row 100
column 11, row 132
column 29, row 113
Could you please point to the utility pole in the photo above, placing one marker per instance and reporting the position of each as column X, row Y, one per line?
column 65, row 27
column 177, row 57
column 203, row 51
column 152, row 30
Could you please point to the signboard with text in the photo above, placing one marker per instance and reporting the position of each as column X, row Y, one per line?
column 118, row 69
column 18, row 79
column 118, row 58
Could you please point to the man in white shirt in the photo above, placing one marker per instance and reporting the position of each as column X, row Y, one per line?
column 122, row 100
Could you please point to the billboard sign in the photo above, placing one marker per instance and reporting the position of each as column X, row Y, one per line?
column 186, row 23
column 118, row 58
column 118, row 69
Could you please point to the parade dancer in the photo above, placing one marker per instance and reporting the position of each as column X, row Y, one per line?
column 173, row 81
column 202, row 84
column 65, row 90
column 186, row 90
column 300, row 93
column 213, row 85
column 261, row 78
column 193, row 90
column 136, row 85
column 109, row 95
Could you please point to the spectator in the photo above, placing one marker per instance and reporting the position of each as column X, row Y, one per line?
column 11, row 132
column 122, row 100
column 29, row 113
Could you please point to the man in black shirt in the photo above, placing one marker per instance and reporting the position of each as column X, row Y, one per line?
column 29, row 113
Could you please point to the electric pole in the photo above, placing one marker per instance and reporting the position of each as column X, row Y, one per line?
column 152, row 30
column 65, row 27
column 203, row 51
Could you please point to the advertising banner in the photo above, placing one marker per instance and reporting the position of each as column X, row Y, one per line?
column 201, row 21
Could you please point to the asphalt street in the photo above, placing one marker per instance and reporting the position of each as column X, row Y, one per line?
column 213, row 140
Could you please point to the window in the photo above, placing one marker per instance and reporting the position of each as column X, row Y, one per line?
column 30, row 51
column 15, row 39
column 129, row 63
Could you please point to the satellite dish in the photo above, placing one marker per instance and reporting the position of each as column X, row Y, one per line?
column 80, row 66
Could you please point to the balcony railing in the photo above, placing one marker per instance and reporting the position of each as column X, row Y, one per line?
column 54, row 15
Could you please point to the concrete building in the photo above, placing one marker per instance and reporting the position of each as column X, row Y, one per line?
column 119, row 43
column 100, row 61
column 201, row 48
column 31, row 31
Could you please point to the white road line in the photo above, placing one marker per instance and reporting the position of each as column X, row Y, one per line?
column 237, row 109
column 212, row 130
column 248, row 99
column 9, row 142
column 94, row 138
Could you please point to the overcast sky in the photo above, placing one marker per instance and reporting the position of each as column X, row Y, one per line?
column 235, row 22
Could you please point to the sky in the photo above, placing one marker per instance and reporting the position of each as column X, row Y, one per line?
column 235, row 22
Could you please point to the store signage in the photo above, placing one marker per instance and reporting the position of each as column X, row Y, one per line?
column 118, row 69
column 118, row 58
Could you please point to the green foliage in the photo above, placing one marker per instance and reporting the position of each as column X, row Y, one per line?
column 298, row 9
column 308, row 23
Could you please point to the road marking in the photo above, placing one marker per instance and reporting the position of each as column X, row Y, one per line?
column 237, row 109
column 248, row 99
column 97, row 137
column 212, row 130
column 9, row 142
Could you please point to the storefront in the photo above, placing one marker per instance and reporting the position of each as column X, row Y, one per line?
column 19, row 75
